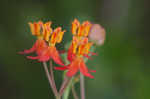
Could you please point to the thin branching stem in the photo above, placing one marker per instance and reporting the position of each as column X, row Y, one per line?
column 52, row 76
column 74, row 92
column 64, row 85
column 50, row 79
column 82, row 86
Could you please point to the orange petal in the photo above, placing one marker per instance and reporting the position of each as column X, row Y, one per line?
column 84, row 70
column 61, row 68
column 60, row 36
column 87, row 26
column 31, row 50
column 45, row 55
column 41, row 46
column 47, row 30
column 73, row 68
column 33, row 57
column 70, row 55
column 75, row 25
column 55, row 56
column 93, row 71
column 35, row 28
column 80, row 31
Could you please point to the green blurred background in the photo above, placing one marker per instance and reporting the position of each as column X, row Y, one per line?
column 123, row 65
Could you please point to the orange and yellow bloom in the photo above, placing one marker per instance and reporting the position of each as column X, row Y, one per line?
column 85, row 35
column 50, row 51
column 47, row 38
column 40, row 44
column 79, row 31
column 45, row 44
column 79, row 49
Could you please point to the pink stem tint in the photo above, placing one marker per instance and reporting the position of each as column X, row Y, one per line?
column 82, row 86
column 74, row 92
column 52, row 76
column 64, row 85
column 52, row 84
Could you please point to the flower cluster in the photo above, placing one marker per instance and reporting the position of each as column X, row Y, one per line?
column 45, row 43
column 79, row 49
column 47, row 38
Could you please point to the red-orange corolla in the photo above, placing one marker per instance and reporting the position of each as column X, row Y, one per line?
column 78, row 49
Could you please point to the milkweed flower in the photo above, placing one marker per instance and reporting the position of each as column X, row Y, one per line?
column 38, row 30
column 79, row 49
column 50, row 52
column 79, row 31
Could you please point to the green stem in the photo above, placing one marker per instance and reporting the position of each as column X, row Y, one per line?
column 67, row 90
column 58, row 97
column 74, row 92
column 64, row 85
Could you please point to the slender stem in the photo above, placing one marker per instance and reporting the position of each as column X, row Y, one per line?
column 49, row 79
column 52, row 77
column 64, row 85
column 68, row 88
column 74, row 92
column 58, row 97
column 82, row 87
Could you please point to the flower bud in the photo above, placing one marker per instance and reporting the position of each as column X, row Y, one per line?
column 97, row 34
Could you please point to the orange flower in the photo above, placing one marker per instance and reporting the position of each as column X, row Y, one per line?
column 79, row 32
column 39, row 31
column 79, row 49
column 51, row 51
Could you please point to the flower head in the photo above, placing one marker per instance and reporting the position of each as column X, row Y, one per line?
column 45, row 43
column 38, row 30
column 78, row 49
column 53, row 37
column 79, row 31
